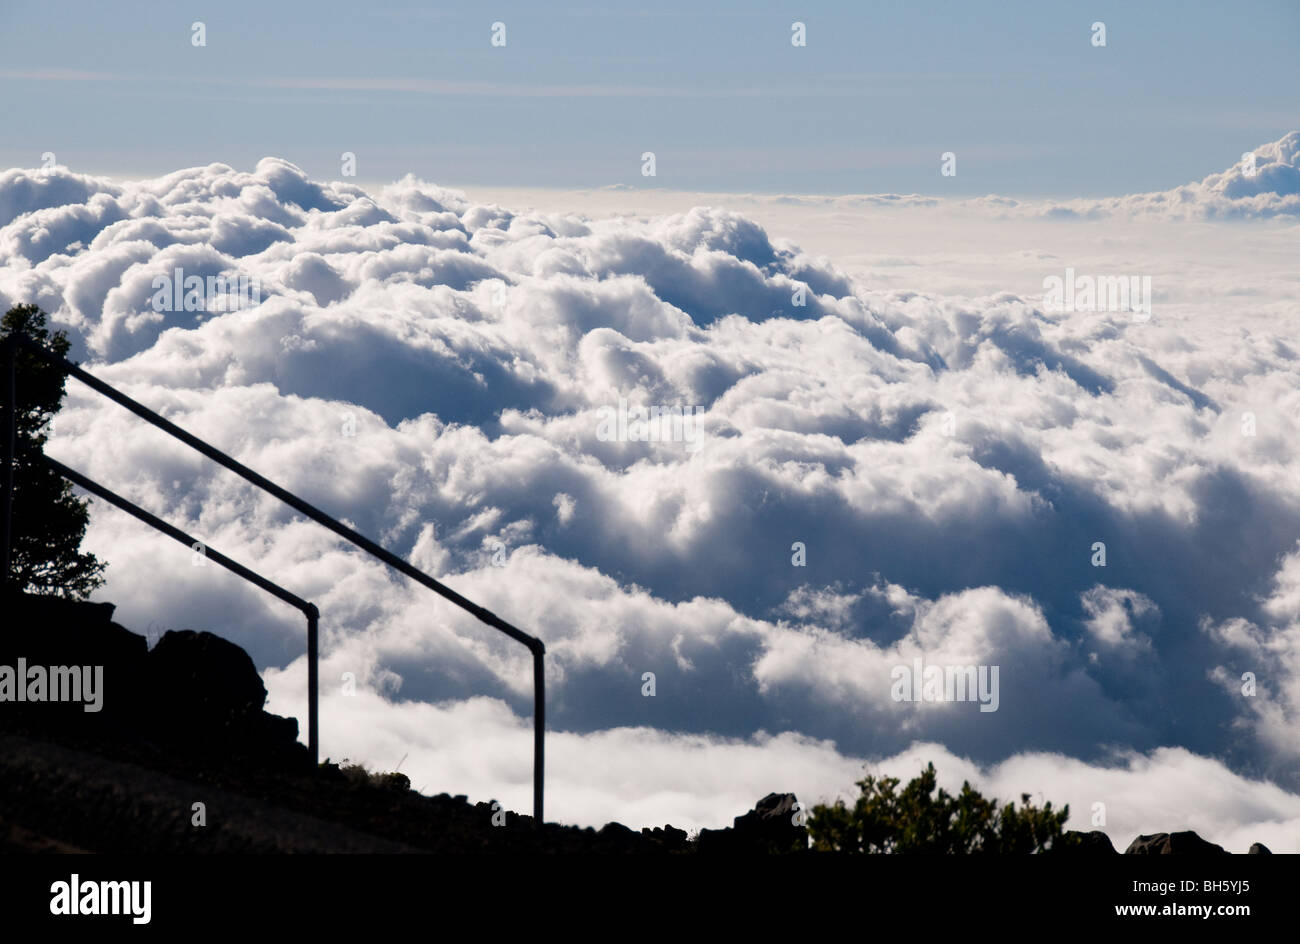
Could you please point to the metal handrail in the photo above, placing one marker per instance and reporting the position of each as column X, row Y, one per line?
column 534, row 644
column 308, row 609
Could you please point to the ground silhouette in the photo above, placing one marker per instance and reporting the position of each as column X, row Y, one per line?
column 182, row 757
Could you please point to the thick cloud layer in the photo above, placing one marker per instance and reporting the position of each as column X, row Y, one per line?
column 861, row 478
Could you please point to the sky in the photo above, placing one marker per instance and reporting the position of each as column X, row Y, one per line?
column 579, row 92
column 904, row 448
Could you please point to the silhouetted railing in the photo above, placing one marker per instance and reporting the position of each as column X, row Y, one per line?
column 308, row 609
column 8, row 435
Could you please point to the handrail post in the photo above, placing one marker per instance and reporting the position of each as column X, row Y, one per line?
column 313, row 687
column 8, row 433
column 539, row 733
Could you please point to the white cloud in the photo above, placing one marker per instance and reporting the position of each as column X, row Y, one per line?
column 1111, row 617
column 434, row 369
column 1268, row 186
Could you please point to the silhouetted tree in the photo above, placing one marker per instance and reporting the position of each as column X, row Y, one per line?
column 49, row 520
column 920, row 819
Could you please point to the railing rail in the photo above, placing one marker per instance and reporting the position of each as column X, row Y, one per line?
column 19, row 341
column 308, row 609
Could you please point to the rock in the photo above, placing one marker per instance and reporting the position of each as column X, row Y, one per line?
column 1183, row 843
column 193, row 694
column 1090, row 843
column 768, row 828
column 271, row 739
column 208, row 697
column 1258, row 848
column 48, row 631
column 200, row 673
column 667, row 839
column 616, row 832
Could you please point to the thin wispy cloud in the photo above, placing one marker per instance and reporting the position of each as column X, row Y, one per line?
column 440, row 87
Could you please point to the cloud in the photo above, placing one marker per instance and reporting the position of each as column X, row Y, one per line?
column 1267, row 187
column 1111, row 617
column 437, row 370
column 1270, row 187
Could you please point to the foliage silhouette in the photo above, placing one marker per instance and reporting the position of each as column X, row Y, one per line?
column 920, row 819
column 49, row 520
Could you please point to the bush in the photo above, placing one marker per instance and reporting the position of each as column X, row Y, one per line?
column 920, row 819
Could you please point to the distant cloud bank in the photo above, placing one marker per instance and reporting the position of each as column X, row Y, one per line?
column 1264, row 183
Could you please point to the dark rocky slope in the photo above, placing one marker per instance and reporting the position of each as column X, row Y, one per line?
column 184, row 723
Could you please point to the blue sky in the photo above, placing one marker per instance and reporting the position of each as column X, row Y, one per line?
column 1016, row 90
